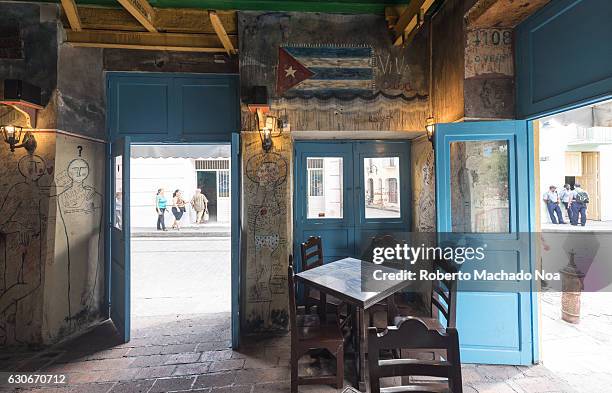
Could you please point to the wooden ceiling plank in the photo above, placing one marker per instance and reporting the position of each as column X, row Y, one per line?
column 72, row 14
column 170, row 20
column 221, row 33
column 147, row 40
column 142, row 11
column 405, row 19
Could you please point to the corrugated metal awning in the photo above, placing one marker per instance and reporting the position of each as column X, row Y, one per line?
column 181, row 151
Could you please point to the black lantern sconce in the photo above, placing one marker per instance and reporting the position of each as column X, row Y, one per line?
column 16, row 138
column 268, row 126
column 430, row 128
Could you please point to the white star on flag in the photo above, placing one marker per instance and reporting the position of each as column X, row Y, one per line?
column 290, row 71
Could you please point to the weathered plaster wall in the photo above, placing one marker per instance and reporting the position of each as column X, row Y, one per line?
column 397, row 98
column 74, row 277
column 26, row 240
column 267, row 224
column 423, row 186
column 51, row 270
column 33, row 29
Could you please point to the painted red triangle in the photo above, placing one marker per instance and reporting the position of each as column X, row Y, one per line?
column 290, row 72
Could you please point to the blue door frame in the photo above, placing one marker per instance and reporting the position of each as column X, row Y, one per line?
column 495, row 327
column 168, row 108
column 344, row 237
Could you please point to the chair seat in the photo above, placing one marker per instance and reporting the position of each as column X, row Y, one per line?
column 431, row 323
column 327, row 333
column 418, row 388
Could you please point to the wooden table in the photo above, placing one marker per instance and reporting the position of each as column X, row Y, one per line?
column 343, row 279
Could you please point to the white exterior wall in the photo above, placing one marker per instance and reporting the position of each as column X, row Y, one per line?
column 605, row 181
column 149, row 174
column 554, row 140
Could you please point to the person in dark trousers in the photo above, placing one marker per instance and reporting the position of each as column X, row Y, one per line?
column 551, row 198
column 566, row 198
column 580, row 200
column 160, row 208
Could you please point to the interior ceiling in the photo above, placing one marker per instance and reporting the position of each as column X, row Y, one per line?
column 336, row 6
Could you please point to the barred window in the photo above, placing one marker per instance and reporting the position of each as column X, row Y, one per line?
column 315, row 182
column 392, row 190
column 224, row 184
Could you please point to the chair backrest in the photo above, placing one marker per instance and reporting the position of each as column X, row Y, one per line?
column 412, row 333
column 292, row 305
column 312, row 253
column 444, row 294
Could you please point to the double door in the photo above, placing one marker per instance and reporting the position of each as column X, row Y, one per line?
column 349, row 192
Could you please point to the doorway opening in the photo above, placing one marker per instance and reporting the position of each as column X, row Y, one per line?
column 575, row 157
column 180, row 213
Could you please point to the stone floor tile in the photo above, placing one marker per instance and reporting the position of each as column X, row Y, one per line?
column 492, row 387
column 234, row 389
column 277, row 374
column 141, row 386
column 156, row 372
column 224, row 365
column 149, row 361
column 192, row 368
column 163, row 385
column 183, row 358
column 215, row 380
column 94, row 388
column 224, row 354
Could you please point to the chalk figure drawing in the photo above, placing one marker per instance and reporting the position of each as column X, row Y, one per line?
column 22, row 219
column 268, row 172
column 427, row 213
column 80, row 207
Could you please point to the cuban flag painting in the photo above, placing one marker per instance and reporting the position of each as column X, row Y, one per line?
column 325, row 71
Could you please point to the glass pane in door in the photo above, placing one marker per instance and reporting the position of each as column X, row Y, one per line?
column 382, row 187
column 479, row 186
column 117, row 214
column 324, row 187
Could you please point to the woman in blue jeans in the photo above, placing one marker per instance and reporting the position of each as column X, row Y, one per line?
column 160, row 207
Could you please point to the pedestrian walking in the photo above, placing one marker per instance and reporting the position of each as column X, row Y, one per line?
column 579, row 203
column 551, row 198
column 566, row 198
column 178, row 208
column 199, row 204
column 160, row 207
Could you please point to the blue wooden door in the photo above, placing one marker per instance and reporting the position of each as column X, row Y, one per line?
column 120, row 237
column 484, row 183
column 235, row 252
column 349, row 192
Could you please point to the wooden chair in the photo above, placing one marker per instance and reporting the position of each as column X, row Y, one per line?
column 312, row 256
column 443, row 299
column 307, row 338
column 411, row 333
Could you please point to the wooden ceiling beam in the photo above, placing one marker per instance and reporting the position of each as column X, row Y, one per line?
column 221, row 33
column 142, row 11
column 170, row 20
column 147, row 41
column 72, row 13
column 404, row 21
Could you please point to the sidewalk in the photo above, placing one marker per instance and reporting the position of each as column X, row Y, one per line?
column 591, row 226
column 193, row 230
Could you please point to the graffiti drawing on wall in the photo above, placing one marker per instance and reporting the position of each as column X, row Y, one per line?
column 22, row 218
column 267, row 173
column 427, row 208
column 81, row 213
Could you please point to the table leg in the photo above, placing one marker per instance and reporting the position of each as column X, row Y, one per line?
column 363, row 351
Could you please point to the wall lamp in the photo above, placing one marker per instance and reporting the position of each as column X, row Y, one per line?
column 430, row 128
column 16, row 138
column 268, row 126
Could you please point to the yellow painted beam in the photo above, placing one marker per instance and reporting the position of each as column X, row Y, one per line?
column 221, row 33
column 142, row 11
column 147, row 41
column 72, row 13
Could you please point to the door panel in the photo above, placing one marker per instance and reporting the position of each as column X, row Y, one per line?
column 348, row 229
column 207, row 182
column 484, row 182
column 119, row 227
column 590, row 183
column 235, row 228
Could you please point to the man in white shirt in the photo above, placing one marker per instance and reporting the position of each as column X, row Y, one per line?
column 551, row 198
column 566, row 196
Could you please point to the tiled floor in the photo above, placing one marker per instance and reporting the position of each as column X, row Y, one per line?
column 192, row 354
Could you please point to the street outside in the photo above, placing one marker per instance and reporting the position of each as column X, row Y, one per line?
column 180, row 275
